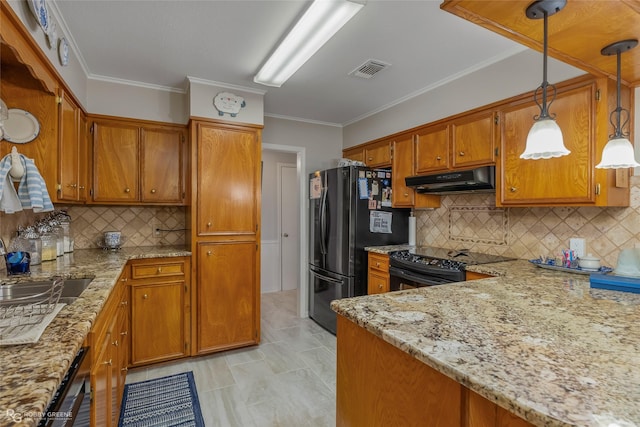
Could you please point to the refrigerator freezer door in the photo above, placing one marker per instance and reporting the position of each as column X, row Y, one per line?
column 325, row 287
column 331, row 234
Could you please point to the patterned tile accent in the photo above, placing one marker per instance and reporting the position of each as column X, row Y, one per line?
column 88, row 223
column 530, row 232
column 479, row 224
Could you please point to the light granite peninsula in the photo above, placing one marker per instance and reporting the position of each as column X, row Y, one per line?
column 31, row 373
column 532, row 342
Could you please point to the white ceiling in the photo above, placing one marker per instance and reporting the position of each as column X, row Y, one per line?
column 161, row 42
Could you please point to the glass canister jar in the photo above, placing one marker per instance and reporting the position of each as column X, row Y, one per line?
column 49, row 244
column 34, row 244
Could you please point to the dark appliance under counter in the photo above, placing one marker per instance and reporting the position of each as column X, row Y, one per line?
column 430, row 266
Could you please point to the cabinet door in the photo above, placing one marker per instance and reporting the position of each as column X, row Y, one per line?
column 473, row 140
column 68, row 149
column 228, row 174
column 100, row 377
column 402, row 196
column 162, row 160
column 356, row 154
column 157, row 322
column 562, row 180
column 432, row 149
column 228, row 311
column 378, row 155
column 115, row 162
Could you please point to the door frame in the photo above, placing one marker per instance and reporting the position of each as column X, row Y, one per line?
column 279, row 167
column 301, row 166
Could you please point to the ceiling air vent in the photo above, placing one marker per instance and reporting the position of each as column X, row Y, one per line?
column 369, row 69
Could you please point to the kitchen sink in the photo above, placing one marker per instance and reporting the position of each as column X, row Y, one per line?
column 71, row 289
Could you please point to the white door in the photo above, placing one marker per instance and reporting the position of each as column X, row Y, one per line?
column 289, row 227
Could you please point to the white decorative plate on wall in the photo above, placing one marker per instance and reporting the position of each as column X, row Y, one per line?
column 63, row 51
column 21, row 126
column 40, row 11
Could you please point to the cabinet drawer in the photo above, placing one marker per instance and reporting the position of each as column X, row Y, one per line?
column 379, row 262
column 377, row 283
column 155, row 270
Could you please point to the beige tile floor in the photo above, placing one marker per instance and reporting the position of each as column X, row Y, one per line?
column 288, row 380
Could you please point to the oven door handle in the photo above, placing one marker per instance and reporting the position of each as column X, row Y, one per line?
column 327, row 278
column 404, row 274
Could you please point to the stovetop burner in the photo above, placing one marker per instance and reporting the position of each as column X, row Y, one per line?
column 446, row 258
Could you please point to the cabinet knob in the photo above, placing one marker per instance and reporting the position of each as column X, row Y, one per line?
column 370, row 158
column 438, row 158
column 124, row 302
column 159, row 270
column 125, row 369
column 81, row 187
column 124, row 333
column 209, row 253
column 127, row 190
column 377, row 264
column 108, row 362
column 124, row 279
column 461, row 153
column 209, row 224
column 145, row 296
column 380, row 286
column 72, row 185
column 115, row 343
column 513, row 189
column 153, row 191
column 406, row 194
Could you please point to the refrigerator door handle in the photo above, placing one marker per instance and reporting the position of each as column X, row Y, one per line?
column 326, row 278
column 323, row 221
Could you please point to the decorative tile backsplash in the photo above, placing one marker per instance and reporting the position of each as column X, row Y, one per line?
column 88, row 224
column 472, row 221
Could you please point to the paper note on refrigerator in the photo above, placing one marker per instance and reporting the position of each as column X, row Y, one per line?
column 380, row 222
column 315, row 188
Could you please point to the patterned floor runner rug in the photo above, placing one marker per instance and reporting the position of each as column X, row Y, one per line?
column 166, row 401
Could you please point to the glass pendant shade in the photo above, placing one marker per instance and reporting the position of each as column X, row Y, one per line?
column 544, row 141
column 618, row 154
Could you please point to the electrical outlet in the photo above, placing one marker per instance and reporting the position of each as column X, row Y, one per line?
column 579, row 246
column 155, row 229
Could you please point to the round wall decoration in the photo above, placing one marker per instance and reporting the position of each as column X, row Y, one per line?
column 227, row 102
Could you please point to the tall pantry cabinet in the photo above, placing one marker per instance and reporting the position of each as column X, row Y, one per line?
column 225, row 234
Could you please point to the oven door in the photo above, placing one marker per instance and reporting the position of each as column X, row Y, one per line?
column 401, row 279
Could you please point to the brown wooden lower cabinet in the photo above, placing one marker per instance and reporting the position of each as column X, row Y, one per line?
column 109, row 348
column 380, row 385
column 160, row 309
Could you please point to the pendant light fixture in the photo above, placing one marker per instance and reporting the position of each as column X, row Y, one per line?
column 544, row 140
column 618, row 153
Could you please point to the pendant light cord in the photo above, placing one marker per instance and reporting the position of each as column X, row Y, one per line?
column 617, row 126
column 545, row 86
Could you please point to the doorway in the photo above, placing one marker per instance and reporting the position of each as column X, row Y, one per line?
column 296, row 182
column 288, row 225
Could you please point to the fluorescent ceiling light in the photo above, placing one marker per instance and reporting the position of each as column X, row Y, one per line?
column 318, row 24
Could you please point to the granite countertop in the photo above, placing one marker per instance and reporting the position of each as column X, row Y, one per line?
column 31, row 373
column 540, row 343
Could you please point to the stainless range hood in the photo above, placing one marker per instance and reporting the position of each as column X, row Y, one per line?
column 478, row 180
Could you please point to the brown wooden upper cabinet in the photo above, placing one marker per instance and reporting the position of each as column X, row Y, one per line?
column 72, row 151
column 459, row 143
column 378, row 155
column 402, row 167
column 227, row 183
column 356, row 154
column 137, row 162
column 582, row 109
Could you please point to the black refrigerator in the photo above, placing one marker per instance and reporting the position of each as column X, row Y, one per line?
column 350, row 209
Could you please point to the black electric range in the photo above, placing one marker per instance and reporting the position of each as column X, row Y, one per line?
column 429, row 266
